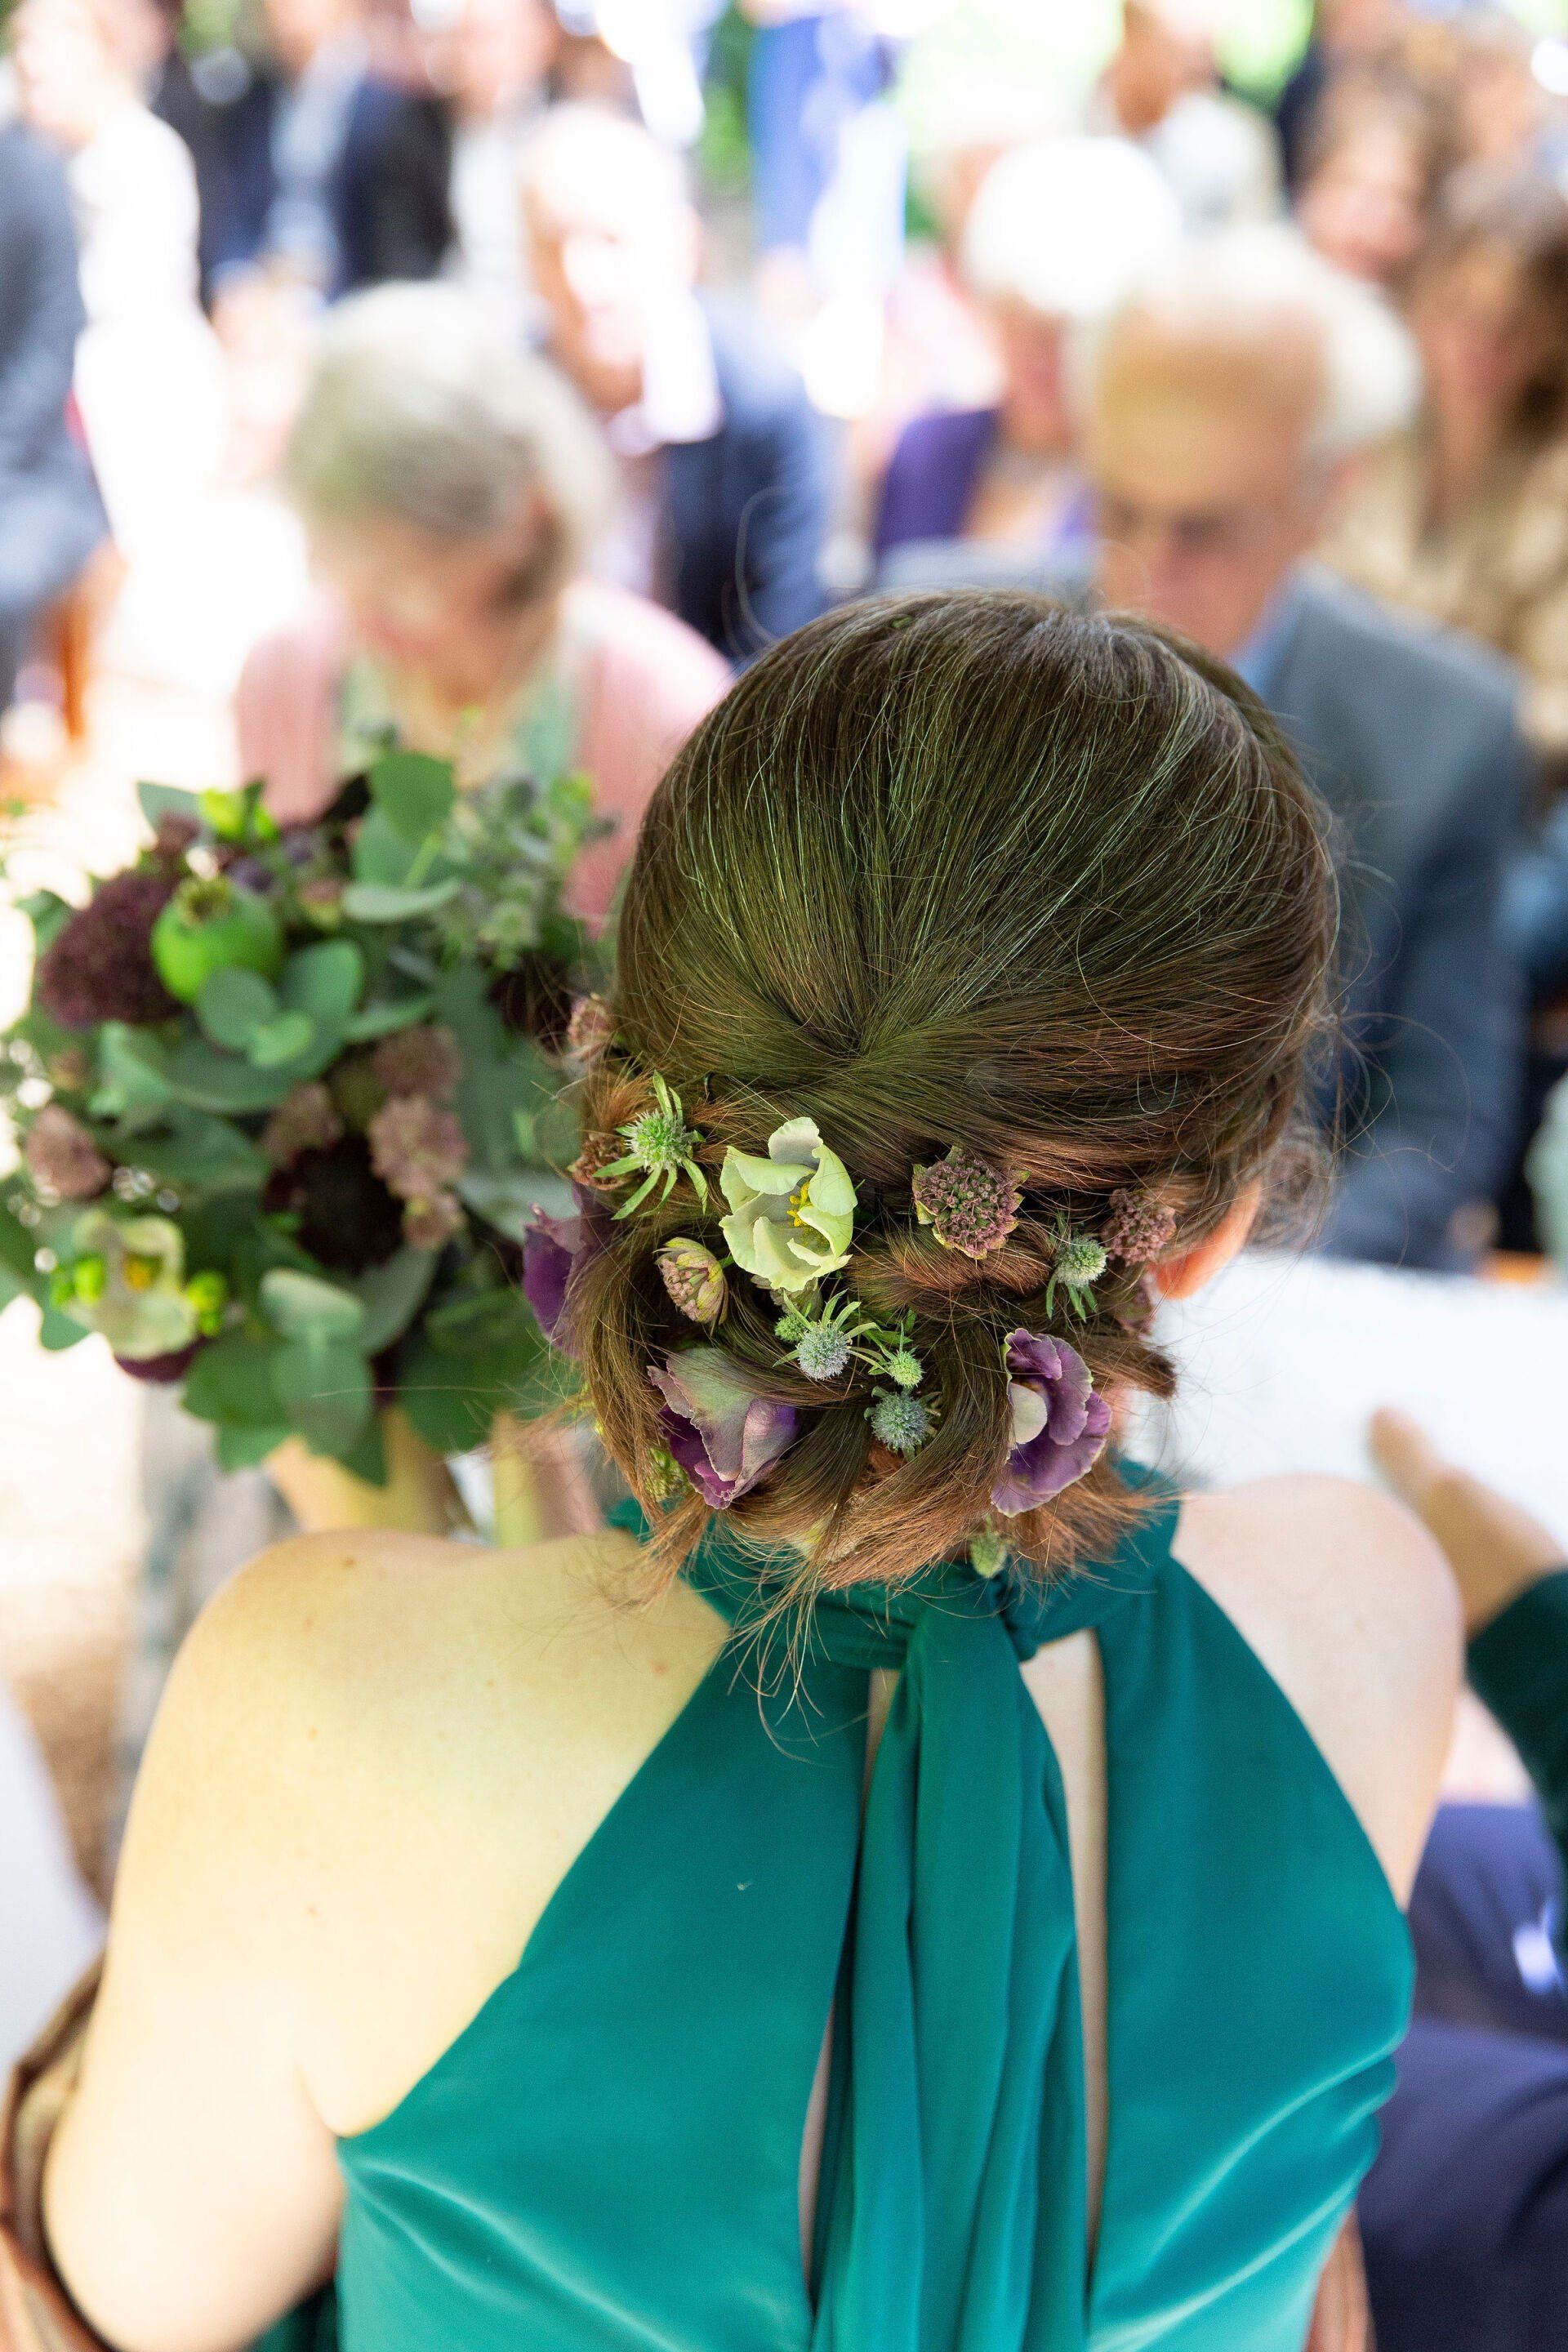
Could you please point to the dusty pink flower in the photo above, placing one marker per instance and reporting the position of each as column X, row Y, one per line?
column 416, row 1147
column 63, row 1157
column 419, row 1061
column 305, row 1121
column 1138, row 1228
column 431, row 1224
column 969, row 1206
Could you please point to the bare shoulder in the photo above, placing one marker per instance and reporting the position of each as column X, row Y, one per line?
column 1349, row 1603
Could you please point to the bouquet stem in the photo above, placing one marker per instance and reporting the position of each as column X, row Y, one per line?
column 419, row 1495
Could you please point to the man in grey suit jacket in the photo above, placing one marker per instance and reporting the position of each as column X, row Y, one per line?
column 1226, row 406
column 51, row 516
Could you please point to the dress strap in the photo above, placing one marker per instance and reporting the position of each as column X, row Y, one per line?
column 952, row 2211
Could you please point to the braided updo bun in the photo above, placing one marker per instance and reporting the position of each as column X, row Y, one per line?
column 952, row 870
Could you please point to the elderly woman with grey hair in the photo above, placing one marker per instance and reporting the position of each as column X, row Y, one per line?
column 452, row 487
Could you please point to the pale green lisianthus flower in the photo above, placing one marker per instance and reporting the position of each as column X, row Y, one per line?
column 792, row 1214
column 136, row 1297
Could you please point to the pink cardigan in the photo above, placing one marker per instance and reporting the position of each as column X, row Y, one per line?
column 648, row 679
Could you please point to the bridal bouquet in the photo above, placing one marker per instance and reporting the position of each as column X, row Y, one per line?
column 283, row 1103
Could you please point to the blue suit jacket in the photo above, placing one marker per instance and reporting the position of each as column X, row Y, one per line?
column 747, row 507
column 1408, row 733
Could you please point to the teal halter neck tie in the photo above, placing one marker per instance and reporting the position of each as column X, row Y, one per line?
column 952, row 2211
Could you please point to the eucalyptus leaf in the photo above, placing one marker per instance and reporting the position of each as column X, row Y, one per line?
column 324, row 981
column 414, row 792
column 197, row 1073
column 367, row 1458
column 388, row 902
column 381, row 1020
column 392, row 1295
column 233, row 1004
column 57, row 1333
column 247, row 1449
column 159, row 801
column 380, row 853
column 280, row 1041
column 507, row 1201
column 452, row 1395
column 49, row 914
column 304, row 1306
column 324, row 1387
column 132, row 1071
column 17, row 1249
column 197, row 1152
column 231, row 1382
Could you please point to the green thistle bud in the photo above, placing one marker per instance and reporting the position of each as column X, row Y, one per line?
column 900, row 1421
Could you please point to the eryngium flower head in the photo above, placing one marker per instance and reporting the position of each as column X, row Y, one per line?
column 969, row 1206
column 419, row 1061
column 416, row 1147
column 63, row 1157
column 99, row 966
column 901, row 1420
column 822, row 1351
column 306, row 1120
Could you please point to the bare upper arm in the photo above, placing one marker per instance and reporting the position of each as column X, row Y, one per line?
column 1349, row 1603
column 192, row 2194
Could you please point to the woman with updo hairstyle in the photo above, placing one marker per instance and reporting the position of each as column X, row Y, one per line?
column 915, row 1880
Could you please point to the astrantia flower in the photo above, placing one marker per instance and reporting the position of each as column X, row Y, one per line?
column 63, row 1157
column 599, row 1151
column 1138, row 1228
column 722, row 1435
column 1059, row 1422
column 307, row 1119
column 590, row 1030
column 136, row 1294
column 422, row 1060
column 791, row 1214
column 901, row 1420
column 416, row 1148
column 694, row 1279
column 99, row 966
column 660, row 1148
column 968, row 1204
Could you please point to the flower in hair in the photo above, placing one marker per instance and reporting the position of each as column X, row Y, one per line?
column 821, row 1341
column 599, row 1151
column 550, row 1250
column 694, row 1279
column 891, row 1354
column 899, row 1420
column 1138, row 1228
column 1080, row 1261
column 791, row 1214
column 967, row 1203
column 719, row 1431
column 662, row 1149
column 1059, row 1422
column 590, row 1030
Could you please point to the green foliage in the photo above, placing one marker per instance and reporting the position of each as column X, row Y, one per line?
column 293, row 957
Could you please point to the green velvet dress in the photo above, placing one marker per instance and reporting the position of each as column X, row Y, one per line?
column 606, row 2158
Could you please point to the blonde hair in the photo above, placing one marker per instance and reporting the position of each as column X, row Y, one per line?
column 421, row 408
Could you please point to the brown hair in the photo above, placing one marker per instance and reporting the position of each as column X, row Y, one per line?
column 1524, row 215
column 962, row 868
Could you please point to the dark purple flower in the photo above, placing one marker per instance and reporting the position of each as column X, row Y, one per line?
column 164, row 1371
column 345, row 1215
column 549, row 1251
column 533, row 997
column 99, row 967
column 723, row 1434
column 1060, row 1421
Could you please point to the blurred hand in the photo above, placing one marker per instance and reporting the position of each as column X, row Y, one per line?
column 1495, row 1549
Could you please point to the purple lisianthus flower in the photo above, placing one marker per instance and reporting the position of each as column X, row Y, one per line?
column 550, row 1250
column 723, row 1435
column 1060, row 1421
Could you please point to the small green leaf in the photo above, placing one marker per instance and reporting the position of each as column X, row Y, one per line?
column 231, row 1382
column 324, row 1387
column 392, row 1296
column 133, row 1072
column 387, row 902
column 367, row 1458
column 324, row 981
column 303, row 1306
column 381, row 1019
column 247, row 1449
column 414, row 792
column 158, row 800
column 198, row 1151
column 49, row 914
column 198, row 1074
column 233, row 1004
column 279, row 1041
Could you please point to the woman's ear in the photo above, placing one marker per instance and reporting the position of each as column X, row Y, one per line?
column 1178, row 1278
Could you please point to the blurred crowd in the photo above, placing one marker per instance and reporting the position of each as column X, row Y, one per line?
column 580, row 402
